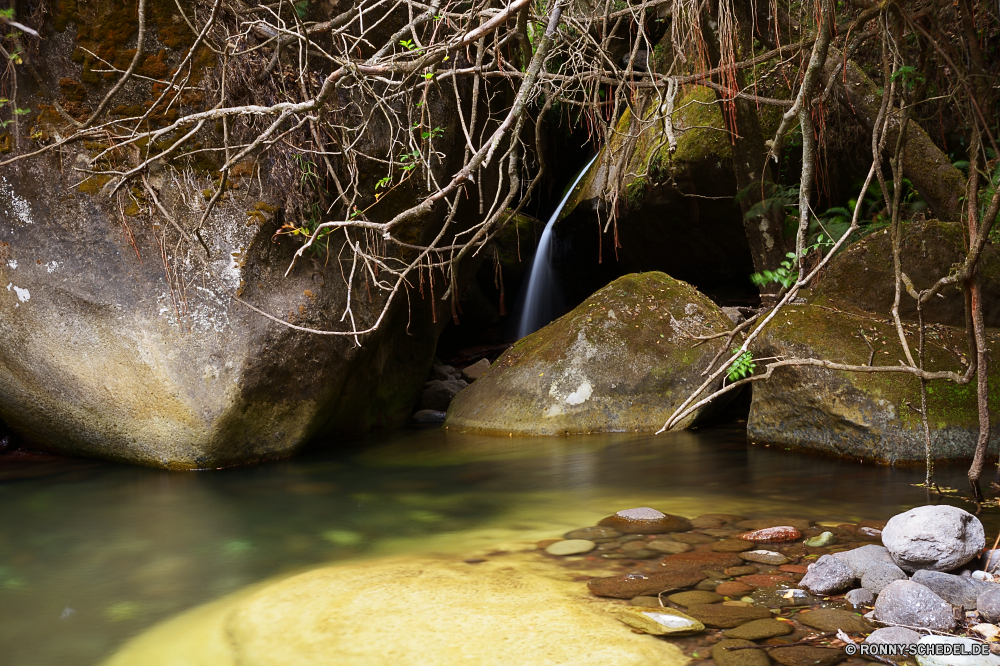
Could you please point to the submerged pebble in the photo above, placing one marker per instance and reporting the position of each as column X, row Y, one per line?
column 571, row 547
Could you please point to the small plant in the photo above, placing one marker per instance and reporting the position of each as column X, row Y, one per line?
column 788, row 272
column 410, row 160
column 14, row 112
column 742, row 367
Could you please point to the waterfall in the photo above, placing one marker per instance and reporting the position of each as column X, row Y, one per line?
column 538, row 309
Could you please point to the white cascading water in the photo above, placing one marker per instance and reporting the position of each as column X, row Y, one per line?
column 538, row 307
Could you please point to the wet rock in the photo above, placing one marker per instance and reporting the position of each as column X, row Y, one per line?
column 444, row 373
column 646, row 602
column 644, row 520
column 569, row 376
column 828, row 575
column 732, row 546
column 476, row 370
column 631, row 585
column 989, row 561
column 820, row 540
column 870, row 532
column 764, row 557
column 860, row 597
column 768, row 580
column 694, row 597
column 764, row 523
column 439, row 393
column 898, row 635
column 641, row 554
column 693, row 539
column 719, row 616
column 715, row 520
column 863, row 558
column 708, row 585
column 723, row 656
column 592, row 533
column 784, row 595
column 571, row 547
column 759, row 630
column 794, row 568
column 669, row 547
column 734, row 588
column 939, row 538
column 904, row 602
column 779, row 533
column 832, row 619
column 659, row 621
column 879, row 575
column 988, row 604
column 740, row 571
column 965, row 653
column 428, row 416
column 956, row 590
column 805, row 655
column 700, row 560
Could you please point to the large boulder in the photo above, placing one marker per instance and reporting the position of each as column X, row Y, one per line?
column 621, row 361
column 856, row 414
column 910, row 604
column 404, row 612
column 861, row 277
column 938, row 538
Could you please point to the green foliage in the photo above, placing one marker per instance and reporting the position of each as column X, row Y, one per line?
column 909, row 74
column 788, row 271
column 742, row 367
column 635, row 193
column 14, row 112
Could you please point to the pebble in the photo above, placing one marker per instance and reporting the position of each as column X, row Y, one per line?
column 708, row 585
column 659, row 621
column 732, row 546
column 910, row 604
column 860, row 597
column 571, row 547
column 737, row 604
column 644, row 520
column 715, row 519
column 725, row 657
column 670, row 547
column 701, row 559
column 631, row 585
column 779, row 533
column 880, row 575
column 827, row 576
column 805, row 655
column 734, row 588
column 726, row 617
column 694, row 597
column 821, row 540
column 794, row 568
column 759, row 630
column 693, row 538
column 939, row 538
column 646, row 602
column 832, row 619
column 764, row 523
column 777, row 597
column 740, row 571
column 764, row 557
column 642, row 554
column 719, row 532
column 592, row 533
column 766, row 580
column 870, row 532
column 956, row 660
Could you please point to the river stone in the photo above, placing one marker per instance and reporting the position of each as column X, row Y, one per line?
column 740, row 571
column 700, row 559
column 571, row 547
column 898, row 635
column 726, row 617
column 759, row 630
column 695, row 597
column 473, row 372
column 764, row 557
column 693, row 539
column 857, row 414
column 428, row 416
column 711, row 520
column 659, row 621
column 403, row 612
column 734, row 588
column 879, row 575
column 988, row 604
column 820, row 540
column 631, row 585
column 911, row 604
column 646, row 602
column 669, row 547
column 754, row 524
column 732, row 546
column 865, row 557
column 965, row 645
column 569, row 376
column 989, row 561
column 806, row 655
column 940, row 538
column 832, row 619
column 644, row 520
column 859, row 597
column 827, row 575
column 724, row 657
column 956, row 590
column 593, row 533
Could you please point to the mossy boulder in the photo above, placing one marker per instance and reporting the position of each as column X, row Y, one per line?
column 861, row 277
column 872, row 416
column 621, row 361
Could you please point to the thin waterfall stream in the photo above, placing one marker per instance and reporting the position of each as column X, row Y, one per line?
column 538, row 309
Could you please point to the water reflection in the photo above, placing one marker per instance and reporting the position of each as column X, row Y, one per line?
column 93, row 553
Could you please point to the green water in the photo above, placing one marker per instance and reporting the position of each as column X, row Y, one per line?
column 92, row 553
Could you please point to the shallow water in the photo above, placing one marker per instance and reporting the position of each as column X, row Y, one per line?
column 93, row 553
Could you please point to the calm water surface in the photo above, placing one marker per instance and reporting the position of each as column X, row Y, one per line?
column 91, row 553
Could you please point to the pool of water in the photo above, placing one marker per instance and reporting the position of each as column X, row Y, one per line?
column 93, row 553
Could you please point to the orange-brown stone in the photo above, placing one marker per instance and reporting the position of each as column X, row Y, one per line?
column 733, row 588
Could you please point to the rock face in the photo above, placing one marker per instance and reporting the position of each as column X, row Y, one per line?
column 904, row 602
column 621, row 361
column 400, row 612
column 938, row 538
column 860, row 415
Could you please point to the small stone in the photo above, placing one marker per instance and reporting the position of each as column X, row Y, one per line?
column 764, row 557
column 545, row 543
column 646, row 602
column 827, row 576
column 701, row 559
column 732, row 546
column 476, row 370
column 990, row 560
column 870, row 532
column 805, row 655
column 956, row 590
column 910, row 604
column 443, row 372
column 898, row 635
column 631, row 585
column 832, row 619
column 779, row 533
column 670, row 547
column 794, row 568
column 735, row 603
column 764, row 523
column 659, row 621
column 863, row 558
column 939, row 538
column 644, row 520
column 641, row 554
column 879, row 575
column 429, row 416
column 592, row 533
column 571, row 547
column 694, row 597
column 984, row 576
column 638, row 544
column 715, row 519
column 740, row 571
column 723, row 656
column 759, row 630
column 777, row 597
column 726, row 617
column 719, row 532
column 767, row 580
column 734, row 588
column 821, row 540
column 988, row 604
column 693, row 538
column 708, row 585
column 860, row 597
column 960, row 646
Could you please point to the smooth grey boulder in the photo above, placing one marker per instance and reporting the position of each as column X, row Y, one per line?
column 862, row 559
column 913, row 605
column 859, row 597
column 939, row 538
column 988, row 604
column 827, row 575
column 956, row 590
column 897, row 635
column 880, row 575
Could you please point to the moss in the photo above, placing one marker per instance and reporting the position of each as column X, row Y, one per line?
column 260, row 213
column 635, row 193
column 94, row 184
column 72, row 91
column 699, row 109
column 6, row 144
